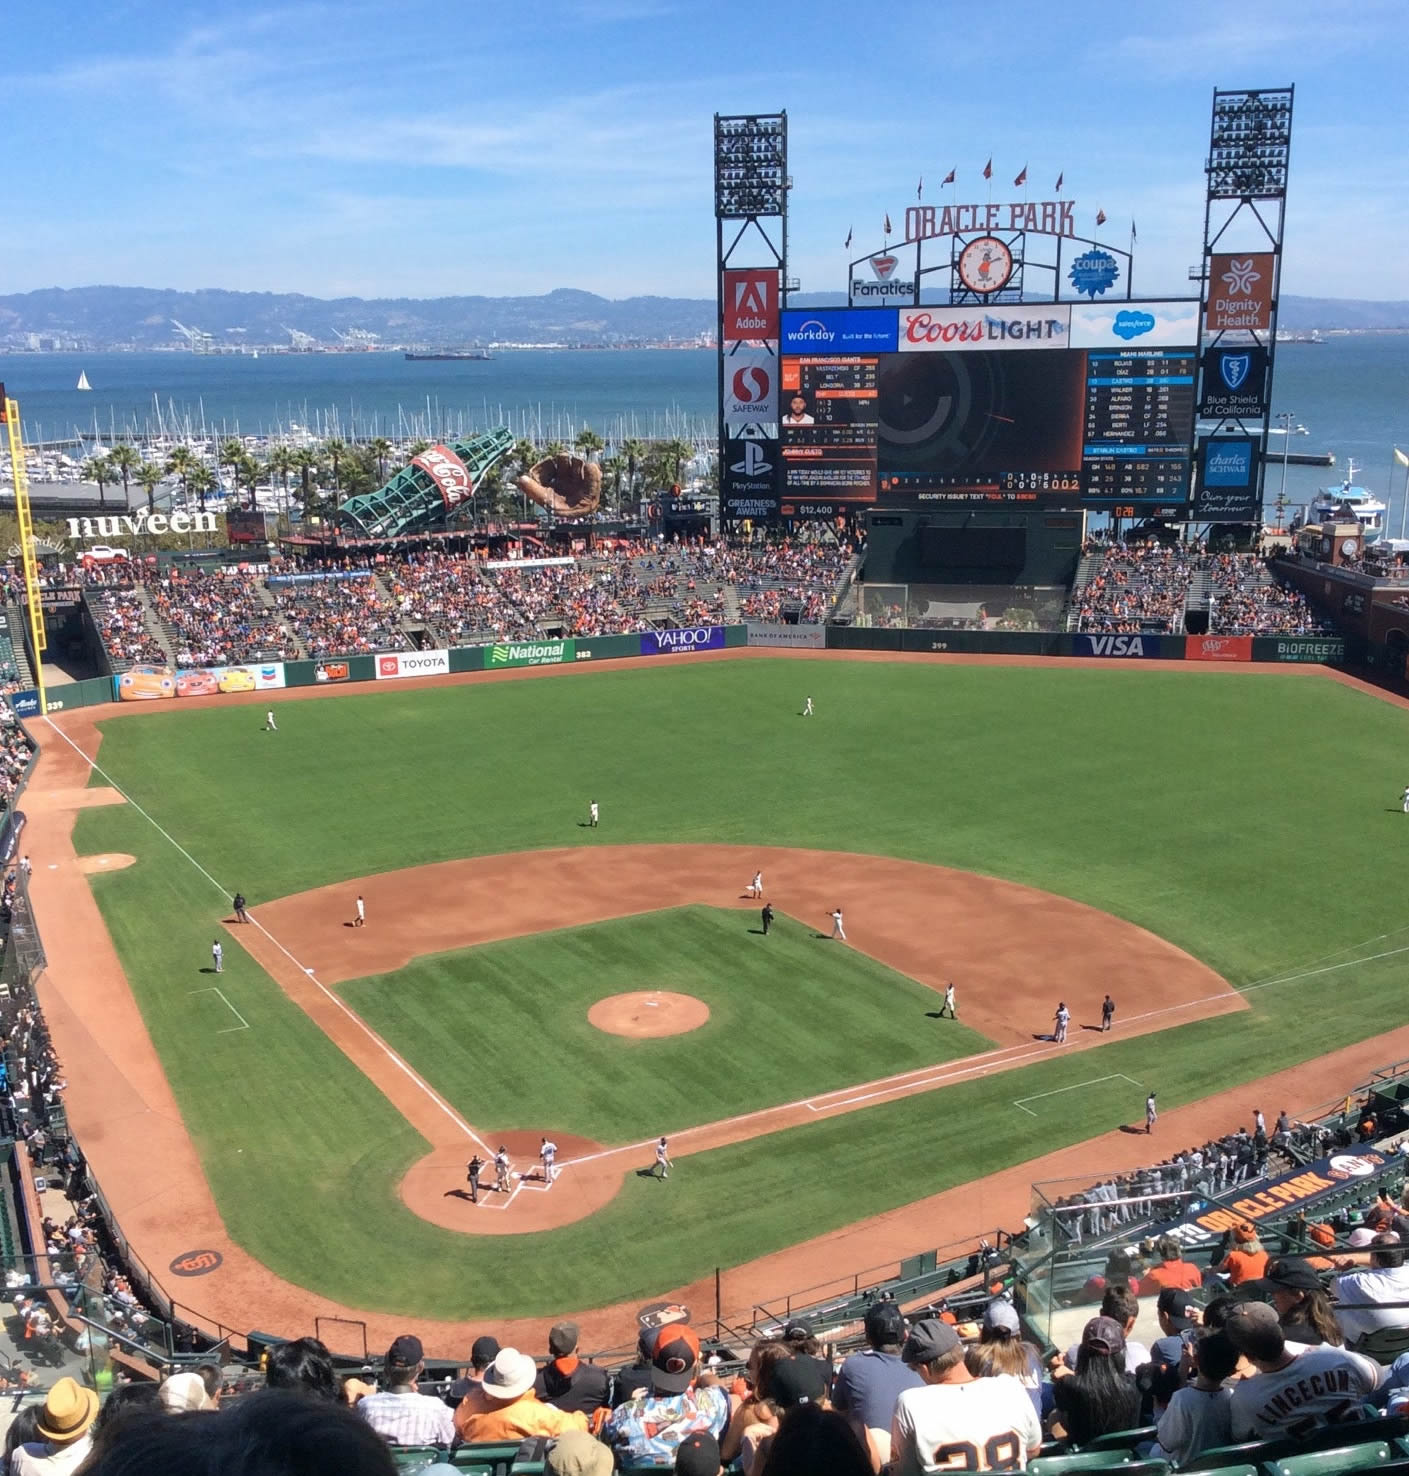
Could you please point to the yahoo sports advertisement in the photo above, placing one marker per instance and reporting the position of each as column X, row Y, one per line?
column 682, row 642
column 1039, row 404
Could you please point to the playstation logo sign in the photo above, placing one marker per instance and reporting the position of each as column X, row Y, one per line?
column 752, row 463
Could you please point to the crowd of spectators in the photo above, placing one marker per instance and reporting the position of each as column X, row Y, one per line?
column 15, row 753
column 218, row 618
column 596, row 599
column 1246, row 600
column 341, row 617
column 455, row 597
column 121, row 618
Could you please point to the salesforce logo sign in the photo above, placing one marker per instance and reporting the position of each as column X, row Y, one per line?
column 1130, row 325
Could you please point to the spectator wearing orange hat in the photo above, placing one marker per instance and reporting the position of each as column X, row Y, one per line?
column 649, row 1430
column 1246, row 1260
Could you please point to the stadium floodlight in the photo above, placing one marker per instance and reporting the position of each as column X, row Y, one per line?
column 1250, row 144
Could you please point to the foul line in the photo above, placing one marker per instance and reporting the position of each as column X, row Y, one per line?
column 225, row 892
column 229, row 1029
column 1075, row 1086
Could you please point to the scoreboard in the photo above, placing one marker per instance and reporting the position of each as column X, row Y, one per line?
column 1051, row 405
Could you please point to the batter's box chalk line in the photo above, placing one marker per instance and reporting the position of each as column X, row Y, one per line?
column 229, row 1029
column 1075, row 1086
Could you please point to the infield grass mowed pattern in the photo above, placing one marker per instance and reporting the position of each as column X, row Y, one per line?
column 501, row 1031
column 1250, row 819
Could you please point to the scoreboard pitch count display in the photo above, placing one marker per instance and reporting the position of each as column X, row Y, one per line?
column 1047, row 404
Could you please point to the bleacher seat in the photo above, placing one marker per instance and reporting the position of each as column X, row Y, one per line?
column 1122, row 1439
column 1084, row 1460
column 1365, row 1456
column 1384, row 1345
column 490, row 1459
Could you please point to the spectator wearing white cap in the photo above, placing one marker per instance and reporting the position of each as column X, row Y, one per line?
column 1386, row 1281
column 990, row 1419
column 504, row 1407
column 183, row 1392
column 1001, row 1350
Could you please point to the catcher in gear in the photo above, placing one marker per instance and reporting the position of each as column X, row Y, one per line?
column 565, row 485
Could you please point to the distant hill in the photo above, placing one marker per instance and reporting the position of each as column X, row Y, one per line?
column 143, row 316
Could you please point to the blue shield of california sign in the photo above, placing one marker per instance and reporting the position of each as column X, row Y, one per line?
column 1234, row 383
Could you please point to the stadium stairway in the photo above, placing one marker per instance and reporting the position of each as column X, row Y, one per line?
column 1199, row 597
column 420, row 634
column 1085, row 573
column 18, row 655
column 266, row 598
column 161, row 631
column 731, row 605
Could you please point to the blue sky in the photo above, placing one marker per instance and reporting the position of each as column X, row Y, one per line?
column 422, row 148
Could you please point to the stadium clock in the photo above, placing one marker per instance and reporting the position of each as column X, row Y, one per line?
column 985, row 265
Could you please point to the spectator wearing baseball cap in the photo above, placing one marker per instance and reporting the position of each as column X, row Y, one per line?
column 697, row 1455
column 647, row 1431
column 63, row 1428
column 565, row 1380
column 994, row 1416
column 1178, row 1315
column 869, row 1383
column 504, row 1407
column 180, row 1393
column 1100, row 1397
column 1121, row 1305
column 576, row 1453
column 1001, row 1350
column 483, row 1351
column 1295, row 1388
column 1303, row 1305
column 804, row 1378
column 399, row 1413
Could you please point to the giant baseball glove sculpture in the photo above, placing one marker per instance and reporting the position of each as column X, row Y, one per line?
column 565, row 485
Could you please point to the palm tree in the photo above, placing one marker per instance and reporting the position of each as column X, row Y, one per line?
column 99, row 469
column 181, row 461
column 380, row 448
column 281, row 463
column 417, row 448
column 554, row 448
column 677, row 453
column 611, row 472
column 335, row 450
column 247, row 470
column 200, row 479
column 231, row 453
column 124, row 460
column 635, row 453
column 588, row 442
column 149, row 476
column 305, row 459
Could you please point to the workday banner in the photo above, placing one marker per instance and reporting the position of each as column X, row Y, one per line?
column 530, row 653
column 1144, row 646
column 682, row 642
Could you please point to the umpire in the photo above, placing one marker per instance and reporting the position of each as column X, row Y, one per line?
column 473, row 1169
column 767, row 917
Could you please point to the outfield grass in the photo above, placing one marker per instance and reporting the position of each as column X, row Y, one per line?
column 501, row 1031
column 1196, row 805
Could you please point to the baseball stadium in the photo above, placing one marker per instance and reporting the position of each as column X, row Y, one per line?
column 735, row 922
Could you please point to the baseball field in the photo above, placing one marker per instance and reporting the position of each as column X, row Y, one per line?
column 1218, row 850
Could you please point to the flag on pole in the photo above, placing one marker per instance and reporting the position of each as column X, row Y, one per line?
column 1021, row 180
column 1100, row 217
column 1060, row 178
column 887, row 222
column 1401, row 457
column 948, row 179
column 848, row 238
column 920, row 189
column 988, row 168
column 1132, row 230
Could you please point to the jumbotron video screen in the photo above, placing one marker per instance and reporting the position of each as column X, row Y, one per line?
column 1044, row 405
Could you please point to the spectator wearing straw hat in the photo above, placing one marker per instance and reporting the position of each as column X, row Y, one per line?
column 63, row 1429
column 504, row 1407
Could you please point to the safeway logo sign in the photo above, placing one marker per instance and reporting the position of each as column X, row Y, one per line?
column 750, row 301
column 750, row 388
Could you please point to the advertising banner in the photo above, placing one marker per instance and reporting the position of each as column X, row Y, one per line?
column 1165, row 324
column 1142, row 646
column 1234, row 383
column 392, row 665
column 798, row 637
column 840, row 331
column 331, row 671
column 1218, row 648
column 531, row 653
column 750, row 300
column 749, row 486
column 1240, row 292
column 888, row 282
column 448, row 472
column 750, row 388
column 208, row 681
column 683, row 641
column 964, row 329
column 26, row 703
column 1317, row 650
column 1227, row 490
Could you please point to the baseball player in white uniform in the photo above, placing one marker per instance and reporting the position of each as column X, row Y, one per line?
column 270, row 726
column 218, row 954
column 807, row 708
column 1151, row 1114
column 838, row 931
column 663, row 1157
column 755, row 887
column 501, row 1170
column 548, row 1151
column 1405, row 798
column 949, row 1004
column 1063, row 1019
column 361, row 912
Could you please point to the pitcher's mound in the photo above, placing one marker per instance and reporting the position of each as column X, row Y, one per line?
column 109, row 861
column 648, row 1014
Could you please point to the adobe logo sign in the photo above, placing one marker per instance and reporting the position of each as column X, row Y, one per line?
column 751, row 303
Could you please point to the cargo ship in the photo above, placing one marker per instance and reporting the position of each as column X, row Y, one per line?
column 441, row 355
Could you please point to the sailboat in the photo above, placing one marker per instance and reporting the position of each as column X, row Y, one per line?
column 83, row 380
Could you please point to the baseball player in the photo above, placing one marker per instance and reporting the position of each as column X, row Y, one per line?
column 755, row 887
column 807, row 712
column 1107, row 1012
column 1405, row 798
column 473, row 1169
column 1151, row 1115
column 361, row 912
column 1063, row 1019
column 501, row 1170
column 548, row 1151
column 239, row 905
column 949, row 1004
column 838, row 931
column 27, row 867
column 592, row 814
column 270, row 726
column 218, row 954
column 767, row 915
column 663, row 1157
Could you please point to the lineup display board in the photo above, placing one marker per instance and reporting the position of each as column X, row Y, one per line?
column 1047, row 404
